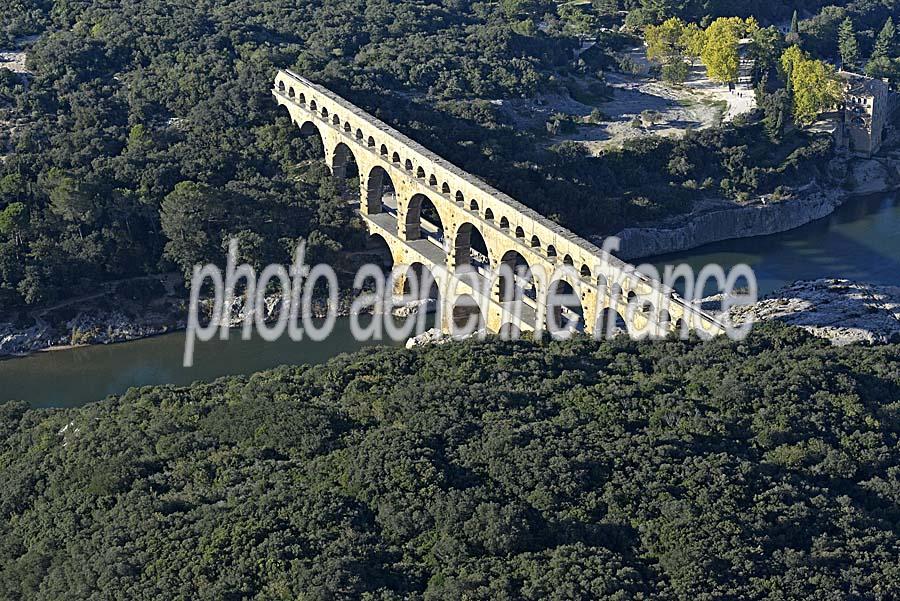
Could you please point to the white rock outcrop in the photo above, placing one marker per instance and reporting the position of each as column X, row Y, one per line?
column 839, row 310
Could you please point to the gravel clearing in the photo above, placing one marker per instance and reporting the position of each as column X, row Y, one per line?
column 642, row 105
column 14, row 58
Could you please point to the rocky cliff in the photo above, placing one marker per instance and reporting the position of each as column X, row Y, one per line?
column 716, row 220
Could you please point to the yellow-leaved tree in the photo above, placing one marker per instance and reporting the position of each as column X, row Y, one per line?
column 815, row 86
column 720, row 51
column 721, row 42
column 663, row 40
column 693, row 39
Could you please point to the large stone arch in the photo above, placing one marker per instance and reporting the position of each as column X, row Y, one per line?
column 467, row 316
column 342, row 159
column 285, row 111
column 417, row 218
column 469, row 248
column 609, row 323
column 381, row 250
column 417, row 287
column 664, row 322
column 310, row 129
column 649, row 316
column 517, row 288
column 377, row 192
column 568, row 313
column 419, row 281
column 512, row 261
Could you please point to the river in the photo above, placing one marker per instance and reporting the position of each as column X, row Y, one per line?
column 72, row 377
column 860, row 241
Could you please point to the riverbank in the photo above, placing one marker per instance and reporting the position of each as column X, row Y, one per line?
column 715, row 220
column 118, row 312
column 155, row 306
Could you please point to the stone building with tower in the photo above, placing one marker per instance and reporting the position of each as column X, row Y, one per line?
column 867, row 106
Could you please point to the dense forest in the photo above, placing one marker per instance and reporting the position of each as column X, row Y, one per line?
column 146, row 134
column 479, row 470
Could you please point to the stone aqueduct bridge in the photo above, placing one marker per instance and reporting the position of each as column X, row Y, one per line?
column 470, row 210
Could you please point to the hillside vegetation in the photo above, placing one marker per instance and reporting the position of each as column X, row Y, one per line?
column 147, row 135
column 483, row 470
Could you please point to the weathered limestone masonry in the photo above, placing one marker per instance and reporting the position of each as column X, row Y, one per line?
column 513, row 233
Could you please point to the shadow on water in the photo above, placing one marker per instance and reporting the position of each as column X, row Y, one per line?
column 860, row 241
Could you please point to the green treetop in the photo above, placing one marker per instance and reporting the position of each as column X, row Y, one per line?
column 793, row 35
column 693, row 39
column 663, row 40
column 576, row 21
column 13, row 218
column 847, row 44
column 666, row 44
column 880, row 63
column 884, row 45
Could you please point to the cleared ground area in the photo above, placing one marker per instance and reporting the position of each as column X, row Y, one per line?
column 641, row 105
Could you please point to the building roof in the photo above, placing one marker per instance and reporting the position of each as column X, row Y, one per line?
column 860, row 85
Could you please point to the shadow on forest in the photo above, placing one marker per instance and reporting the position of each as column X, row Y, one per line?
column 506, row 159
